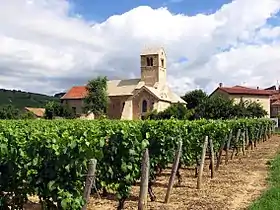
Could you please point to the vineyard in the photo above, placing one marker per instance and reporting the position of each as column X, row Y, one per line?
column 49, row 158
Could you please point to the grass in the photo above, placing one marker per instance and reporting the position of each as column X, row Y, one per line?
column 270, row 200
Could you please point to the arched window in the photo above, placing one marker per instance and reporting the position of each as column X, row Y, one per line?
column 151, row 61
column 153, row 103
column 148, row 62
column 162, row 63
column 144, row 106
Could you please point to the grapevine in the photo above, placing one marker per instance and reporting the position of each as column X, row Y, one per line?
column 49, row 158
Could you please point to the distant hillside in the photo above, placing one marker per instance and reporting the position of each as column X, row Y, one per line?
column 59, row 95
column 21, row 99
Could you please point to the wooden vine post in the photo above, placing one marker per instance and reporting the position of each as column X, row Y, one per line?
column 173, row 173
column 236, row 142
column 266, row 133
column 212, row 160
column 221, row 152
column 259, row 134
column 247, row 138
column 228, row 145
column 89, row 180
column 200, row 172
column 243, row 142
column 145, row 169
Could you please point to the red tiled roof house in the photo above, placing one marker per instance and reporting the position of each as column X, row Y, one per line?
column 274, row 101
column 238, row 93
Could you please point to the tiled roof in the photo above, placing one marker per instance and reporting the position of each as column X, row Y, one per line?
column 276, row 103
column 245, row 90
column 152, row 50
column 123, row 87
column 114, row 88
column 39, row 112
column 76, row 92
column 275, row 96
column 126, row 88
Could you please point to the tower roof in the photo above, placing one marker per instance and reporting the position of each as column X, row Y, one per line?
column 152, row 50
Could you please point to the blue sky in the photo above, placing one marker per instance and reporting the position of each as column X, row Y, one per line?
column 100, row 10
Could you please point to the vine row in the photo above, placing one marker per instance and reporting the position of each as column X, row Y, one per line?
column 49, row 158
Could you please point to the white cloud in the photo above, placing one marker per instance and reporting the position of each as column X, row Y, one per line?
column 45, row 49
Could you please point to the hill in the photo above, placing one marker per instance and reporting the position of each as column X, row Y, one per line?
column 21, row 99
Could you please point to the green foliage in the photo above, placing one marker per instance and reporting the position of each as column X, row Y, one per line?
column 8, row 112
column 49, row 158
column 97, row 99
column 194, row 98
column 216, row 107
column 20, row 99
column 220, row 107
column 177, row 111
column 256, row 110
column 53, row 109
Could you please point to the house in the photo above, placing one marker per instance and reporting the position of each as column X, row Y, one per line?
column 132, row 98
column 274, row 101
column 238, row 93
column 37, row 112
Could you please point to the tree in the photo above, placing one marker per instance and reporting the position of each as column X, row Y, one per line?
column 49, row 110
column 97, row 99
column 54, row 109
column 177, row 111
column 9, row 112
column 255, row 109
column 27, row 115
column 216, row 107
column 194, row 99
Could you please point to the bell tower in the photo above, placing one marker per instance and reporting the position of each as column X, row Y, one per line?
column 153, row 66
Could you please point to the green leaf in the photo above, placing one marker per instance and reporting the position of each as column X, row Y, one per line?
column 102, row 142
column 51, row 186
column 64, row 204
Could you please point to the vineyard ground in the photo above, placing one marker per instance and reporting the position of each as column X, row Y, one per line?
column 235, row 185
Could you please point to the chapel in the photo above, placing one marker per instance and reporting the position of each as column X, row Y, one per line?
column 131, row 99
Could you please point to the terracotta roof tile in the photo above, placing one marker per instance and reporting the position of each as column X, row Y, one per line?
column 275, row 96
column 39, row 112
column 276, row 103
column 126, row 88
column 76, row 92
column 245, row 90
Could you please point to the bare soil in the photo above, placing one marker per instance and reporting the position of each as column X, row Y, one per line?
column 234, row 186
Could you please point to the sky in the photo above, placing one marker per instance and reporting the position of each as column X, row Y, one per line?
column 48, row 46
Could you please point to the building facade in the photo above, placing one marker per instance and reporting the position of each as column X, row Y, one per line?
column 130, row 99
column 238, row 93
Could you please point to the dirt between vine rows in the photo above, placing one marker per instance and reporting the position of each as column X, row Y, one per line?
column 234, row 186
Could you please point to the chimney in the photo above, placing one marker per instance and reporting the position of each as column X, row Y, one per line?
column 258, row 87
column 220, row 84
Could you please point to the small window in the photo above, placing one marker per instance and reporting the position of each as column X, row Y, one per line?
column 151, row 61
column 144, row 106
column 74, row 109
column 162, row 62
column 148, row 62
